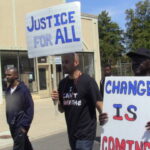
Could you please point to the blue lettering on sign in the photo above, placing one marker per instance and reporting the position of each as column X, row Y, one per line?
column 46, row 22
column 108, row 84
column 117, row 105
column 42, row 41
column 62, row 35
column 148, row 88
column 135, row 87
column 41, row 23
column 49, row 18
column 116, row 87
column 66, row 36
column 118, row 115
column 37, row 24
column 141, row 91
column 59, row 36
column 57, row 21
column 132, row 106
column 64, row 18
column 30, row 29
column 71, row 17
column 75, row 39
column 132, row 87
column 123, row 89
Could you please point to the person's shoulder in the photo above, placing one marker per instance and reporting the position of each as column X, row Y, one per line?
column 64, row 80
column 7, row 89
column 22, row 84
column 87, row 82
column 86, row 78
column 23, row 87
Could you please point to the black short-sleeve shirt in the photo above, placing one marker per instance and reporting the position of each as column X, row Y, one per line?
column 78, row 98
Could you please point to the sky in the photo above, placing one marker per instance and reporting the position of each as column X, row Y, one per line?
column 116, row 8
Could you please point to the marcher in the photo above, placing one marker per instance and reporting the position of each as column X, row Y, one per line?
column 140, row 60
column 107, row 72
column 19, row 110
column 141, row 65
column 78, row 98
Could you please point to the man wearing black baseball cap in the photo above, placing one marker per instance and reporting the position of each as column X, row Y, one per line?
column 140, row 61
column 141, row 65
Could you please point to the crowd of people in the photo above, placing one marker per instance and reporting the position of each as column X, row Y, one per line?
column 78, row 98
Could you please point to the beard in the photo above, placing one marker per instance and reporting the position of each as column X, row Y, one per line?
column 70, row 70
column 11, row 81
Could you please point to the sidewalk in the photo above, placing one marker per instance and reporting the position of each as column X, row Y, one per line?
column 47, row 121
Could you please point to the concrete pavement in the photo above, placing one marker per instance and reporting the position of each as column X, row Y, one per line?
column 55, row 142
column 47, row 121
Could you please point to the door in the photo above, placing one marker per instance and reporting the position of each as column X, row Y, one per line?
column 44, row 89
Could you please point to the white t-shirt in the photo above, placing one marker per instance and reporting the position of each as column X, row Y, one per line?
column 13, row 89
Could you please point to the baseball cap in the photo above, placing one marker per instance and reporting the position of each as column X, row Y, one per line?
column 140, row 52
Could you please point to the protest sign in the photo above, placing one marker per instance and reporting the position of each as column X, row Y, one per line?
column 127, row 102
column 54, row 30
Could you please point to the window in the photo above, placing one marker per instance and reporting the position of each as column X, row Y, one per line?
column 87, row 63
column 26, row 70
column 24, row 65
column 8, row 60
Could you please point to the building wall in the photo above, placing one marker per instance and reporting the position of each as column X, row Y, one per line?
column 1, row 97
column 91, row 41
column 12, row 16
column 12, row 30
column 12, row 26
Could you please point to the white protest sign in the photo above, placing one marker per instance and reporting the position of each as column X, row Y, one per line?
column 54, row 30
column 127, row 102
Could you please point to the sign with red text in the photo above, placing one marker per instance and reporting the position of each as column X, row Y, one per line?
column 55, row 30
column 127, row 102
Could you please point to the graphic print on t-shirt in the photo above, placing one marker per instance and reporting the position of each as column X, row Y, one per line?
column 78, row 99
column 71, row 98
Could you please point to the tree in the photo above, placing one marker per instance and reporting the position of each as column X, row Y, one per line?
column 138, row 26
column 110, row 37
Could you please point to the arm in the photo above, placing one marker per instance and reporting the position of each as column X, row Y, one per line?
column 97, row 99
column 55, row 97
column 99, row 106
column 28, row 109
column 60, row 107
column 102, row 88
column 103, row 117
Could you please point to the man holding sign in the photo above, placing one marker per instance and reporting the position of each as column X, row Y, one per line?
column 78, row 98
column 141, row 65
column 127, row 103
column 54, row 31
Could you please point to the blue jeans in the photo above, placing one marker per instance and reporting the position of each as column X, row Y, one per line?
column 83, row 145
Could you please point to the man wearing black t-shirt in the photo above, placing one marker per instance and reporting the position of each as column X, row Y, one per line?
column 78, row 97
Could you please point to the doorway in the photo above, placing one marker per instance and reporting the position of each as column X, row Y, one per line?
column 44, row 89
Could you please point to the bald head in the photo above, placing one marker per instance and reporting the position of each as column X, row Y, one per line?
column 72, row 56
column 13, row 70
column 11, row 74
column 70, row 62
